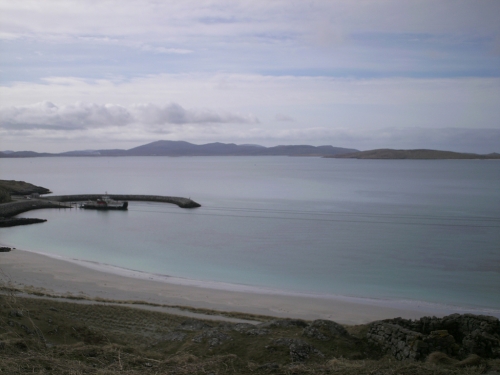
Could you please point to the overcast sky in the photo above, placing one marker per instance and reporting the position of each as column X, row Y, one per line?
column 87, row 74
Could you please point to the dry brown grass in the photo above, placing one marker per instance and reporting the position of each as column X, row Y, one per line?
column 58, row 336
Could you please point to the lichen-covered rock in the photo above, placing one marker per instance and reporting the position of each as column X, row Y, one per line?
column 314, row 333
column 214, row 337
column 402, row 343
column 324, row 330
column 441, row 341
column 456, row 335
column 193, row 325
column 300, row 350
column 175, row 336
column 481, row 343
column 284, row 323
column 242, row 327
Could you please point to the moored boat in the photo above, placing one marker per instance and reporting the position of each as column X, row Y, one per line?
column 105, row 203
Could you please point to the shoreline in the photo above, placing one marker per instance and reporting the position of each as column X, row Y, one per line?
column 73, row 277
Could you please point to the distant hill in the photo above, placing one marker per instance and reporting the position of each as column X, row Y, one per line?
column 420, row 154
column 181, row 148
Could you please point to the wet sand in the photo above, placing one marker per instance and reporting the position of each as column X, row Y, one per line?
column 60, row 276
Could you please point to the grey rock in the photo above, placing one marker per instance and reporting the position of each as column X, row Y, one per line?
column 456, row 335
column 16, row 313
column 314, row 333
column 300, row 350
column 193, row 325
column 243, row 327
column 284, row 323
column 214, row 337
column 324, row 330
column 175, row 336
column 258, row 332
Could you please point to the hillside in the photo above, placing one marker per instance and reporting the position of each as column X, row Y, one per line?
column 21, row 188
column 420, row 154
column 181, row 148
column 46, row 336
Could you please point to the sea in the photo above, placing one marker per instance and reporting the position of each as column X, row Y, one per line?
column 420, row 231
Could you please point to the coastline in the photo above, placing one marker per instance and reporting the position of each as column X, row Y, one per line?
column 72, row 277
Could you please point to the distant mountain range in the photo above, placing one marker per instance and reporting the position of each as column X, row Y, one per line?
column 421, row 154
column 181, row 148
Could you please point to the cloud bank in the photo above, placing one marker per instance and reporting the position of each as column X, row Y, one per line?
column 80, row 116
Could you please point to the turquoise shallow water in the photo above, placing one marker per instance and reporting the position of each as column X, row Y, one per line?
column 412, row 230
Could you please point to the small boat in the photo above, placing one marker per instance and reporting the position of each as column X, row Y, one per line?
column 105, row 203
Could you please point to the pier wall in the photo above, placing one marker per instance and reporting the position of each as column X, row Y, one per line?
column 17, row 207
column 179, row 201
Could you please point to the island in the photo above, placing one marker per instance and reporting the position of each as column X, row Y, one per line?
column 418, row 154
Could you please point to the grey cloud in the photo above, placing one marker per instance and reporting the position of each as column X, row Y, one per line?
column 282, row 117
column 78, row 116
column 175, row 114
column 46, row 115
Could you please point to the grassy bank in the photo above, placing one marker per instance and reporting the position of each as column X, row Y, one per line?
column 44, row 336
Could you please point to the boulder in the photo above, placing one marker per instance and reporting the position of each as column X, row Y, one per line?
column 455, row 335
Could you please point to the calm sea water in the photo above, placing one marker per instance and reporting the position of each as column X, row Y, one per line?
column 412, row 230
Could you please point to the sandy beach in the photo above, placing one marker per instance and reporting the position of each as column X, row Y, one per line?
column 80, row 278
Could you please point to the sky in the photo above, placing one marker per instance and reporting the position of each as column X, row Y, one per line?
column 106, row 74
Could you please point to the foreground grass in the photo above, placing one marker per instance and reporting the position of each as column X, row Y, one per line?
column 54, row 337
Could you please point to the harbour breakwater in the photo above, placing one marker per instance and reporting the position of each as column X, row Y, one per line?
column 179, row 201
column 15, row 208
column 7, row 210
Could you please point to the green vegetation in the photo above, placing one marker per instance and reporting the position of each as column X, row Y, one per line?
column 21, row 187
column 44, row 336
column 4, row 196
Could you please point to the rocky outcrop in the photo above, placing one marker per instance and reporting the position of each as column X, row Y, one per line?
column 324, row 330
column 455, row 335
column 300, row 350
column 22, row 188
column 213, row 337
column 284, row 323
column 15, row 221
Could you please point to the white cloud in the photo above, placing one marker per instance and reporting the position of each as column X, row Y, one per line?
column 79, row 116
column 178, row 51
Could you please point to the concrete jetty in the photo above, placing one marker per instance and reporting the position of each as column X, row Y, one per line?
column 179, row 201
column 7, row 210
column 14, row 208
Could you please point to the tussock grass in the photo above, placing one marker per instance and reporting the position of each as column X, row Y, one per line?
column 59, row 336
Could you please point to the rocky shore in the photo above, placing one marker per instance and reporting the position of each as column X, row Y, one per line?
column 15, row 221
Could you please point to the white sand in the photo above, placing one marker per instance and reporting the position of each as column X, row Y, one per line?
column 60, row 276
